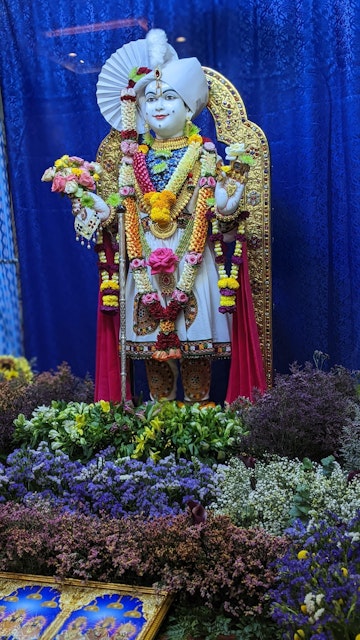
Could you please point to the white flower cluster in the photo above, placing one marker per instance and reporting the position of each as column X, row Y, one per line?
column 263, row 496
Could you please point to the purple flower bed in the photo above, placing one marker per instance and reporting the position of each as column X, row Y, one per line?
column 103, row 485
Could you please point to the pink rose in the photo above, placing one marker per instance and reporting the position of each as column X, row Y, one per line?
column 87, row 181
column 193, row 258
column 126, row 191
column 162, row 261
column 137, row 263
column 76, row 160
column 207, row 182
column 180, row 296
column 58, row 184
column 129, row 147
column 149, row 298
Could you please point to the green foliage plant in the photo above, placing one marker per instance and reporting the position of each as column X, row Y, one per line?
column 152, row 430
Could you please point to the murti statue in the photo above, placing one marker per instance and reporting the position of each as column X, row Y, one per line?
column 179, row 205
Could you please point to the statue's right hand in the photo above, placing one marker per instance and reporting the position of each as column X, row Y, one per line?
column 101, row 208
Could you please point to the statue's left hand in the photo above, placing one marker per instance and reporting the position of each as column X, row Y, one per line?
column 228, row 193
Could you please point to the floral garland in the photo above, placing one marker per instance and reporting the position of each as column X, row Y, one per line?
column 109, row 275
column 228, row 283
column 134, row 168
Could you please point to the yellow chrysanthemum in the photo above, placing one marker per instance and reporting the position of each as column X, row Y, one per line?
column 105, row 406
column 228, row 283
column 62, row 162
column 109, row 284
column 110, row 301
column 195, row 138
column 227, row 301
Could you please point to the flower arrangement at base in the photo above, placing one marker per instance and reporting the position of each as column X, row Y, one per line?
column 15, row 367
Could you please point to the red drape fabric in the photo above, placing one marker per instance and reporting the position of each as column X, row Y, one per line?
column 107, row 370
column 246, row 369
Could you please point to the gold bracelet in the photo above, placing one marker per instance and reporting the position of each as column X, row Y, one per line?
column 111, row 218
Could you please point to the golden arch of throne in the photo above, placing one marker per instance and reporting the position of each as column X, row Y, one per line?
column 231, row 125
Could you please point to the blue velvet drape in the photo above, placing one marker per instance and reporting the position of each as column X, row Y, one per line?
column 296, row 64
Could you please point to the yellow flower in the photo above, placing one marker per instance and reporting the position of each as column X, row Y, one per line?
column 143, row 148
column 80, row 420
column 110, row 301
column 149, row 433
column 195, row 138
column 303, row 608
column 62, row 162
column 357, row 637
column 225, row 168
column 109, row 284
column 303, row 554
column 140, row 440
column 96, row 177
column 299, row 634
column 105, row 406
column 228, row 283
column 344, row 571
column 227, row 301
column 76, row 171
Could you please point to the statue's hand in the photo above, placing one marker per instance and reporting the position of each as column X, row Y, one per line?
column 101, row 208
column 228, row 193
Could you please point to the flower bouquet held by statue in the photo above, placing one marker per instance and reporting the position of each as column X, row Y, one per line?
column 77, row 178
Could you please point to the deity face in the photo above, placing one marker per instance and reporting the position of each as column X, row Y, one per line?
column 165, row 110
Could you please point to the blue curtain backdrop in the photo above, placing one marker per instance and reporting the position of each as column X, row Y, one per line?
column 296, row 64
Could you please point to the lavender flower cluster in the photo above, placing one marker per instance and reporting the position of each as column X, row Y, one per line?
column 104, row 485
column 318, row 585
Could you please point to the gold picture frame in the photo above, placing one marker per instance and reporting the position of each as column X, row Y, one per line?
column 43, row 608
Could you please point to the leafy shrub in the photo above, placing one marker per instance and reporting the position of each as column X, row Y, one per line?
column 153, row 430
column 187, row 622
column 350, row 441
column 302, row 416
column 214, row 563
column 21, row 395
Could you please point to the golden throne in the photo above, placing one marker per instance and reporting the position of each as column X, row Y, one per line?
column 231, row 124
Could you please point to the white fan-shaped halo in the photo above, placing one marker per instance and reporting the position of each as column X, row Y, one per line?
column 114, row 77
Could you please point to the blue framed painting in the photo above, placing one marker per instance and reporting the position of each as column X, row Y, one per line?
column 41, row 608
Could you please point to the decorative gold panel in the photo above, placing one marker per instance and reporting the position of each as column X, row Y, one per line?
column 232, row 125
column 45, row 608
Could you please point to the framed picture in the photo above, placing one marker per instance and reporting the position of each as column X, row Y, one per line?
column 42, row 608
